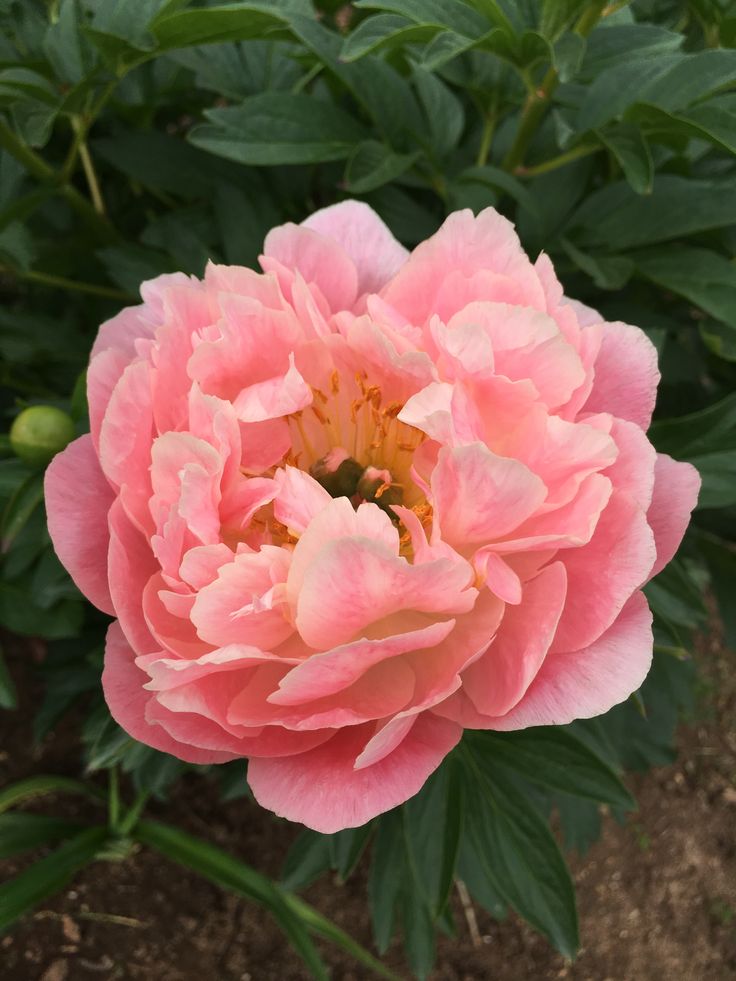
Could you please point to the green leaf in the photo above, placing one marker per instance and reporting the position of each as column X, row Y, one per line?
column 376, row 85
column 626, row 43
column 707, row 439
column 518, row 852
column 567, row 55
column 307, row 859
column 236, row 22
column 387, row 874
column 558, row 14
column 501, row 180
column 383, row 31
column 433, row 821
column 451, row 14
column 712, row 121
column 443, row 110
column 580, row 821
column 20, row 833
column 615, row 217
column 40, row 786
column 17, row 247
column 607, row 272
column 721, row 561
column 373, row 164
column 470, row 871
column 20, row 508
column 419, row 936
column 23, row 83
column 704, row 277
column 347, row 847
column 49, row 876
column 65, row 46
column 630, row 148
column 669, row 81
column 554, row 758
column 8, row 692
column 274, row 128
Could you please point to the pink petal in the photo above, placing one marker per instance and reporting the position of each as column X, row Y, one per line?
column 318, row 259
column 442, row 267
column 478, row 496
column 78, row 499
column 633, row 469
column 588, row 682
column 122, row 682
column 354, row 583
column 626, row 375
column 299, row 499
column 332, row 672
column 245, row 604
column 131, row 564
column 274, row 397
column 324, row 790
column 603, row 574
column 676, row 488
column 499, row 679
column 359, row 231
column 497, row 575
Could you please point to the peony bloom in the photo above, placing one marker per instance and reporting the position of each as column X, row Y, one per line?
column 345, row 508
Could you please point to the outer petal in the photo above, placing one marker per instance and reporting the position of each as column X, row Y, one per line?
column 363, row 236
column 603, row 574
column 676, row 487
column 499, row 679
column 589, row 682
column 318, row 259
column 626, row 375
column 77, row 501
column 323, row 790
column 123, row 682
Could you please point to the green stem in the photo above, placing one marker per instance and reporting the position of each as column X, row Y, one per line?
column 113, row 801
column 537, row 102
column 38, row 168
column 89, row 170
column 131, row 818
column 61, row 282
column 485, row 140
column 554, row 162
column 31, row 161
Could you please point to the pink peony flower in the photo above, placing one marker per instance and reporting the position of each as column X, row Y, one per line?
column 342, row 509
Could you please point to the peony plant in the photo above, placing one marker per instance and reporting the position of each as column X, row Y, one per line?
column 348, row 507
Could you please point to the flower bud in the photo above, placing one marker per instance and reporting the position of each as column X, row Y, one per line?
column 39, row 433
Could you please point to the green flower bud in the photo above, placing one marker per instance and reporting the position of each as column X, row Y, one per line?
column 39, row 433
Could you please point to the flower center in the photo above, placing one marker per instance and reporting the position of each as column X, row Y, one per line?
column 352, row 442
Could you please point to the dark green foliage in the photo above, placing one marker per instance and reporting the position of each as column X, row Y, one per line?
column 140, row 138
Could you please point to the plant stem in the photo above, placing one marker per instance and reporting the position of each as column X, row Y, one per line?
column 113, row 801
column 554, row 162
column 131, row 818
column 489, row 124
column 39, row 169
column 24, row 154
column 61, row 282
column 537, row 102
column 89, row 170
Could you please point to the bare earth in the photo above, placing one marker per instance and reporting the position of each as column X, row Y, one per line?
column 657, row 897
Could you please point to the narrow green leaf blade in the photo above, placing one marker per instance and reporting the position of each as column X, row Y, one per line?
column 48, row 876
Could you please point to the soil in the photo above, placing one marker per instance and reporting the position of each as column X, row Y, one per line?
column 657, row 896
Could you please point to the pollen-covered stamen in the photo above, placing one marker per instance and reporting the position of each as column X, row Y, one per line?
column 349, row 429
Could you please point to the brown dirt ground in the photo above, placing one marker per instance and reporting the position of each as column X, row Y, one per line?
column 657, row 897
